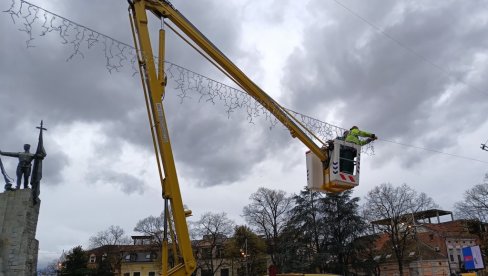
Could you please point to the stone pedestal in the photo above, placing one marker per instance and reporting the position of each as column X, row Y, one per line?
column 18, row 223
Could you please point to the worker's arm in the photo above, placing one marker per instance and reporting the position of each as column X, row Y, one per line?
column 11, row 154
column 365, row 142
column 363, row 133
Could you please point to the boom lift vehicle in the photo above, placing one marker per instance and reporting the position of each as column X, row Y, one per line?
column 323, row 161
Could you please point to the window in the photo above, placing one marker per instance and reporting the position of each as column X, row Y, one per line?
column 219, row 251
column 206, row 253
column 136, row 274
column 411, row 253
column 224, row 272
column 152, row 273
column 93, row 258
column 388, row 256
column 104, row 256
column 127, row 274
column 206, row 272
column 451, row 257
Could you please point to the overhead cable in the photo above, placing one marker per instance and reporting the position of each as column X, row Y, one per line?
column 408, row 49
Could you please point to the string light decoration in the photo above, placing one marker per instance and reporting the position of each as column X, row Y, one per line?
column 38, row 22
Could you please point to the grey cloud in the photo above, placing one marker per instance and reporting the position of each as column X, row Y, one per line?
column 385, row 88
column 38, row 83
column 53, row 166
column 127, row 183
column 219, row 150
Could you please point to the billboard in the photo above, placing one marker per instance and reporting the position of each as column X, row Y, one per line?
column 472, row 258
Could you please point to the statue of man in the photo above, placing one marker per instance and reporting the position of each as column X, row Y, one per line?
column 24, row 166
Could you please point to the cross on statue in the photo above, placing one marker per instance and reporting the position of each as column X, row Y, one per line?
column 40, row 127
column 37, row 167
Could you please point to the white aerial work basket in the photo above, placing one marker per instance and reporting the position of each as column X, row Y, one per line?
column 339, row 173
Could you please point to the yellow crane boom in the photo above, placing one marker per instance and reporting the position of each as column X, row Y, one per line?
column 154, row 81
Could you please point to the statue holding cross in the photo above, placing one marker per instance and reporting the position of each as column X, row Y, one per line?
column 25, row 163
column 24, row 167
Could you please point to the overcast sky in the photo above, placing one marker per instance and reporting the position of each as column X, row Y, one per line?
column 409, row 71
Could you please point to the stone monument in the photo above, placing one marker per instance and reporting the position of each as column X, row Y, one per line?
column 18, row 223
column 19, row 212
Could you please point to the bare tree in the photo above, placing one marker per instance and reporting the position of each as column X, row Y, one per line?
column 474, row 208
column 214, row 231
column 395, row 207
column 151, row 226
column 50, row 269
column 114, row 235
column 475, row 203
column 268, row 214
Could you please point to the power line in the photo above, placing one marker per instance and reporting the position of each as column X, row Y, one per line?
column 408, row 49
column 435, row 151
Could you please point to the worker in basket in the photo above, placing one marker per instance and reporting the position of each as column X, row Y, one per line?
column 347, row 154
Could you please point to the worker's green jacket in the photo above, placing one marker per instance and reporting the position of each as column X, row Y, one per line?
column 354, row 134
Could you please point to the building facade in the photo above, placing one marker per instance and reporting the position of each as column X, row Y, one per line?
column 433, row 247
column 142, row 258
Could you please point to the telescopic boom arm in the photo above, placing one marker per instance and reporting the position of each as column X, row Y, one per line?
column 154, row 81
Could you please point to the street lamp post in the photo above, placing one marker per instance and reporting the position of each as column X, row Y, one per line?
column 245, row 255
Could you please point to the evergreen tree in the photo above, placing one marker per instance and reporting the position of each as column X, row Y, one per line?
column 76, row 261
column 104, row 268
column 302, row 242
column 342, row 225
column 319, row 236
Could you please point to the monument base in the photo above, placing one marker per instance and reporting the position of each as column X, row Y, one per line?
column 18, row 224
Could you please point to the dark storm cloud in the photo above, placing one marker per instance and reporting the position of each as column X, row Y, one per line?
column 219, row 150
column 38, row 83
column 386, row 88
column 52, row 173
column 126, row 182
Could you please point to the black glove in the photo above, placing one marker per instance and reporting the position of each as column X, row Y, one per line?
column 373, row 137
